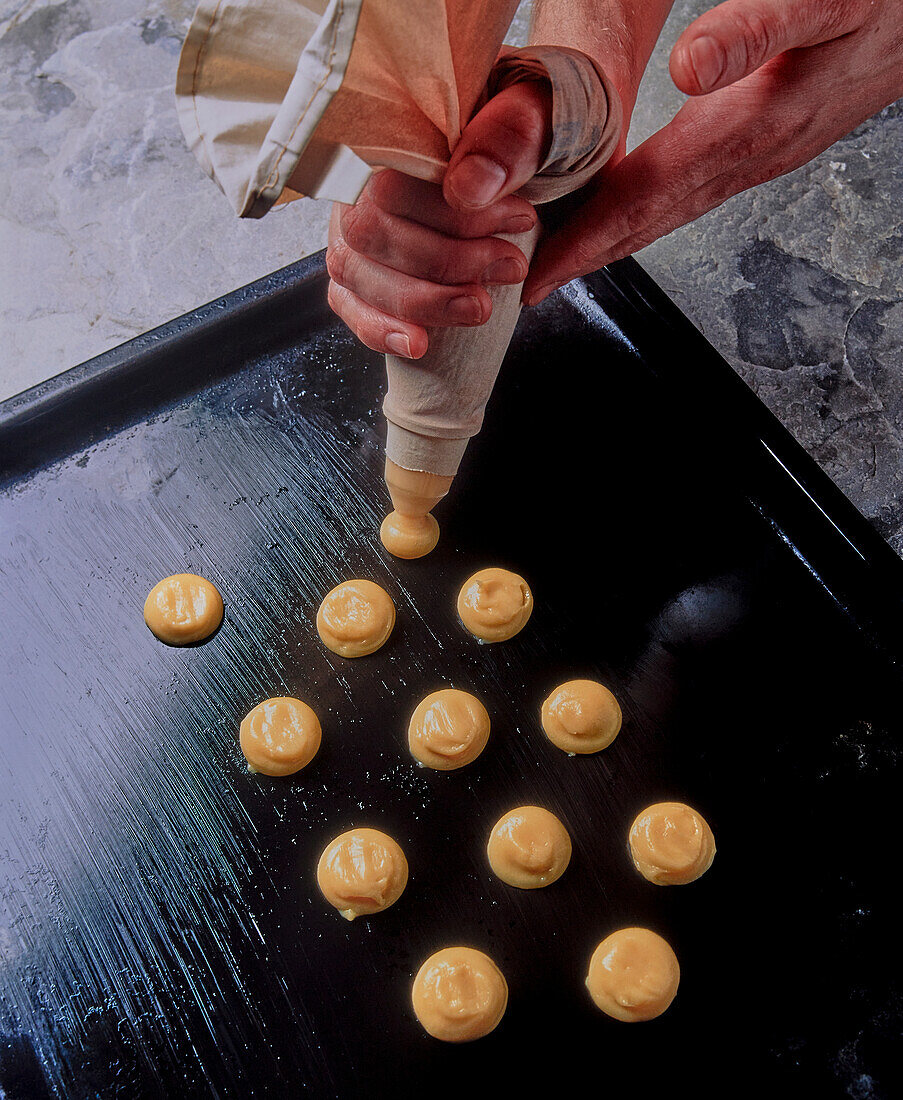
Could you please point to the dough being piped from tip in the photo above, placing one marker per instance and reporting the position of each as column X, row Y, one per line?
column 409, row 536
column 183, row 609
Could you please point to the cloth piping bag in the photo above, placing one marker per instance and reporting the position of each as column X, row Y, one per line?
column 288, row 98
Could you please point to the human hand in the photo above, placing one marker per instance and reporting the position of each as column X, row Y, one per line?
column 410, row 254
column 772, row 84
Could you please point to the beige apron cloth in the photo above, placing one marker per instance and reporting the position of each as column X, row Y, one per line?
column 282, row 98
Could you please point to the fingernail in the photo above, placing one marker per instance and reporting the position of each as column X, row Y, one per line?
column 399, row 344
column 520, row 223
column 544, row 291
column 465, row 310
column 505, row 271
column 707, row 61
column 477, row 180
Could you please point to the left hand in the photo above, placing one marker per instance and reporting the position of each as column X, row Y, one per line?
column 772, row 84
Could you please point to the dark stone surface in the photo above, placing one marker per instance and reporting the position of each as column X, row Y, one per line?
column 799, row 284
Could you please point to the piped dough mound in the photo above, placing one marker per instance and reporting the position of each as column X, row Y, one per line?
column 409, row 536
column 633, row 975
column 495, row 604
column 459, row 994
column 671, row 844
column 529, row 847
column 581, row 716
column 448, row 729
column 183, row 609
column 280, row 736
column 356, row 618
column 362, row 872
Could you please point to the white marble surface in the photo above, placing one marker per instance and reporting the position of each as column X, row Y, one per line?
column 108, row 227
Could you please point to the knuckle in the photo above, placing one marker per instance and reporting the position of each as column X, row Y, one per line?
column 756, row 40
column 342, row 305
column 741, row 146
column 372, row 336
column 637, row 216
column 584, row 256
column 443, row 266
column 337, row 260
column 384, row 187
column 841, row 16
column 466, row 226
column 420, row 305
column 522, row 129
column 409, row 306
column 337, row 299
column 361, row 228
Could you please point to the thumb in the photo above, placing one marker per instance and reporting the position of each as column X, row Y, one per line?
column 502, row 147
column 739, row 36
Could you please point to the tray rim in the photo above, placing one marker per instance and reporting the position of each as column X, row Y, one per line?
column 32, row 404
column 632, row 285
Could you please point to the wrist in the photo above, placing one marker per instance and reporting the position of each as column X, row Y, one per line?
column 618, row 35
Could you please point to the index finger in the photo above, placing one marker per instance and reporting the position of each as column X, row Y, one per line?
column 422, row 202
column 714, row 147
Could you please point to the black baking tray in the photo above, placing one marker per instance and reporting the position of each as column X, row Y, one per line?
column 162, row 931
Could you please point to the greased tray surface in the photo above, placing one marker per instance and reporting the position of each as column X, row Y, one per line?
column 162, row 930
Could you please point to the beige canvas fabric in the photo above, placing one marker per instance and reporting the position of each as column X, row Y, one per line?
column 253, row 82
column 257, row 83
column 436, row 404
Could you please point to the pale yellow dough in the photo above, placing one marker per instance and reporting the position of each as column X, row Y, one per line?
column 633, row 975
column 459, row 994
column 280, row 736
column 356, row 618
column 183, row 609
column 671, row 844
column 581, row 716
column 529, row 847
column 362, row 872
column 495, row 604
column 448, row 729
column 409, row 536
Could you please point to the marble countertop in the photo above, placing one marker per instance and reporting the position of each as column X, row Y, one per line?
column 108, row 228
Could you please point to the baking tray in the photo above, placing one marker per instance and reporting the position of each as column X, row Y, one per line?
column 163, row 934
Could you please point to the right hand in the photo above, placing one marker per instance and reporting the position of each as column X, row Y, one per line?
column 411, row 255
column 772, row 83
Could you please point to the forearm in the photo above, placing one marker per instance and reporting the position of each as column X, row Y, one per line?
column 619, row 35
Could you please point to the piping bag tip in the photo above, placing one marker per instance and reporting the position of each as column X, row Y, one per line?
column 410, row 531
